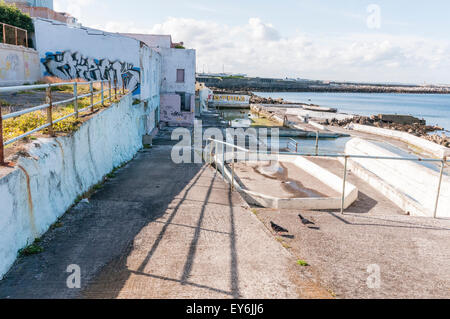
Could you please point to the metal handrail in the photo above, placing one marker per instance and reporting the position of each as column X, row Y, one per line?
column 50, row 104
column 15, row 31
column 443, row 162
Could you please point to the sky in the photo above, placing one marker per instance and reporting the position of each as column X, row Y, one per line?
column 353, row 40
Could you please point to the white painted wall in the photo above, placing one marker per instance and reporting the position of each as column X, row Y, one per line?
column 72, row 51
column 150, row 64
column 18, row 65
column 413, row 187
column 174, row 59
column 62, row 168
column 153, row 40
column 113, row 49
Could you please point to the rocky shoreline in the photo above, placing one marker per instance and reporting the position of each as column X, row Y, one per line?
column 415, row 129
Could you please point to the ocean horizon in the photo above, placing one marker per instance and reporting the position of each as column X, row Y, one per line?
column 434, row 108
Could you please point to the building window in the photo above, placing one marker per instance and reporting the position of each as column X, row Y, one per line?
column 185, row 101
column 180, row 75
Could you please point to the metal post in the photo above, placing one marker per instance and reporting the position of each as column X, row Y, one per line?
column 215, row 157
column 210, row 153
column 115, row 87
column 343, row 185
column 103, row 98
column 4, row 33
column 222, row 150
column 91, row 87
column 232, row 173
column 317, row 143
column 110, row 90
column 439, row 188
column 26, row 38
column 50, row 110
column 2, row 152
column 15, row 31
column 123, row 86
column 75, row 95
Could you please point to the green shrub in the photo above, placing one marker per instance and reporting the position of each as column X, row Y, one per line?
column 10, row 14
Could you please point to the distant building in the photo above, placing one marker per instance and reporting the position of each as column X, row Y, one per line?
column 42, row 9
column 33, row 3
column 177, row 78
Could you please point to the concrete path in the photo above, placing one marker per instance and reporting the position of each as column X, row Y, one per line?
column 411, row 253
column 161, row 230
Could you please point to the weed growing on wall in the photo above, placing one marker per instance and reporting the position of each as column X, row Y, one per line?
column 17, row 126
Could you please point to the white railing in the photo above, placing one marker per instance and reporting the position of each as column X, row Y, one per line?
column 50, row 104
column 214, row 147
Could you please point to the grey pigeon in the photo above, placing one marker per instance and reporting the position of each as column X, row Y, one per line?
column 278, row 229
column 305, row 221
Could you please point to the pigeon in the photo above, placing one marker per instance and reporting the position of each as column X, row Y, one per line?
column 305, row 221
column 278, row 229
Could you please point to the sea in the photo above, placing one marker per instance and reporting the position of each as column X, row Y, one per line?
column 434, row 108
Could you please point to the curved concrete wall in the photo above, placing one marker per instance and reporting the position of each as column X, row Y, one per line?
column 413, row 187
column 45, row 184
column 430, row 147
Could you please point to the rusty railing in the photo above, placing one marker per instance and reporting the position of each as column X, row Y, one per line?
column 13, row 35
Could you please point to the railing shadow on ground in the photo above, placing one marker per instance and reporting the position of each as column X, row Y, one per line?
column 108, row 287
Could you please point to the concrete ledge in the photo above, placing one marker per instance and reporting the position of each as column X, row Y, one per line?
column 351, row 192
column 428, row 146
column 44, row 185
column 317, row 125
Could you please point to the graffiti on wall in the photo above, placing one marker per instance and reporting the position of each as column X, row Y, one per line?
column 67, row 65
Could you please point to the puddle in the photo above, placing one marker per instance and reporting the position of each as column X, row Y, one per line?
column 274, row 180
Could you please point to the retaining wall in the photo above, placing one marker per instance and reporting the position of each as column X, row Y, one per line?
column 45, row 184
column 18, row 65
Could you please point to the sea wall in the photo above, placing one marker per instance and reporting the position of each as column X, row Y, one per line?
column 46, row 182
column 410, row 185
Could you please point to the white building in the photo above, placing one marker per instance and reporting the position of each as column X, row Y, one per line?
column 73, row 52
column 177, row 78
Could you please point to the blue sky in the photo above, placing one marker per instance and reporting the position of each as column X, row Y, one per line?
column 293, row 38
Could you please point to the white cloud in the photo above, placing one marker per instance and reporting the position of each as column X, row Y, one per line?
column 258, row 48
column 75, row 8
